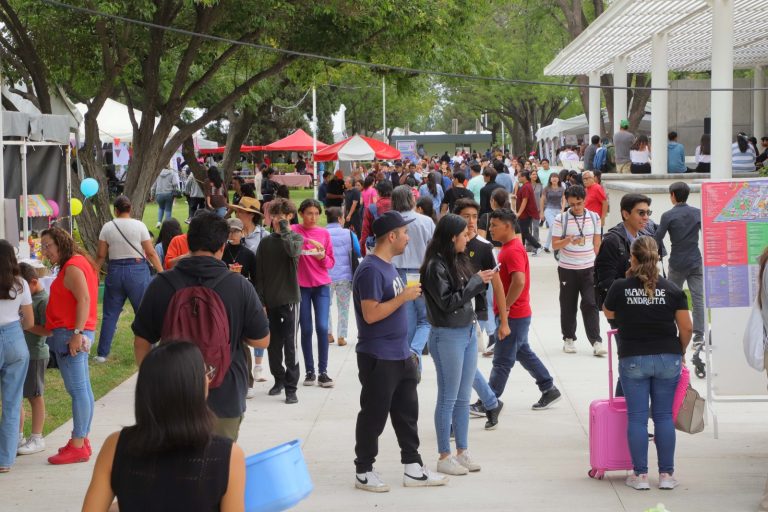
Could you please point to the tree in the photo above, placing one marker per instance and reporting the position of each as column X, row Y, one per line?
column 161, row 72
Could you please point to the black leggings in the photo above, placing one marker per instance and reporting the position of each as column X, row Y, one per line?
column 525, row 230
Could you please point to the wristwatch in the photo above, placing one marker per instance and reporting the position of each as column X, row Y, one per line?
column 77, row 331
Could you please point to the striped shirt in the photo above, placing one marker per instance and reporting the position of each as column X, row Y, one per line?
column 742, row 161
column 576, row 256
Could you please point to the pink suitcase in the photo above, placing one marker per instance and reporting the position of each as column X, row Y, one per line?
column 608, row 446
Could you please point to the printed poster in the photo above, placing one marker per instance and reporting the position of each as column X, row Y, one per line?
column 734, row 232
column 407, row 150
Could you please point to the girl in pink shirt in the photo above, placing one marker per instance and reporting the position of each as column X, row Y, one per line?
column 369, row 194
column 317, row 258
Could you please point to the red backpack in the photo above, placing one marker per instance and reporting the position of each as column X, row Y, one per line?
column 196, row 313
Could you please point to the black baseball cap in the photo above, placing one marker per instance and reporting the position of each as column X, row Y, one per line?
column 389, row 221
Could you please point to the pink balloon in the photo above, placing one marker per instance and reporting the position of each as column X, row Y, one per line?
column 55, row 207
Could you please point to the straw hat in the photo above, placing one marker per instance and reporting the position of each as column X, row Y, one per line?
column 248, row 204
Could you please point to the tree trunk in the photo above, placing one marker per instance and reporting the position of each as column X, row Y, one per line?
column 639, row 100
column 239, row 126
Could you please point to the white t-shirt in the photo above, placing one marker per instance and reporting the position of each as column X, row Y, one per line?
column 576, row 256
column 134, row 230
column 640, row 156
column 9, row 308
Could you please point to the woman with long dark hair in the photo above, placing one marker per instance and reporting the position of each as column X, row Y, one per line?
column 432, row 190
column 216, row 196
column 703, row 154
column 640, row 156
column 552, row 204
column 655, row 328
column 742, row 154
column 170, row 229
column 15, row 315
column 71, row 319
column 170, row 459
column 449, row 287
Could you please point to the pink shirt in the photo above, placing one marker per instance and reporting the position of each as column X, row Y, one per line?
column 369, row 196
column 314, row 272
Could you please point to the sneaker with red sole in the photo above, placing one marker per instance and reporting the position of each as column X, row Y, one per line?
column 70, row 455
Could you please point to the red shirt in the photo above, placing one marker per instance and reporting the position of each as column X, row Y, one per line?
column 62, row 305
column 513, row 258
column 594, row 200
column 176, row 248
column 531, row 208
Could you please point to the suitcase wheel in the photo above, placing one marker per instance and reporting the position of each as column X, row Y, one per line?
column 594, row 473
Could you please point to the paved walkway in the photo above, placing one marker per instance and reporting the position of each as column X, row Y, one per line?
column 535, row 461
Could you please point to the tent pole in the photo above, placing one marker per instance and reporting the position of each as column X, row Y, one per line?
column 24, row 195
column 316, row 182
column 68, row 170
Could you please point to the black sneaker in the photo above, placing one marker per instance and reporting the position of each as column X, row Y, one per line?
column 276, row 389
column 547, row 399
column 493, row 416
column 324, row 380
column 698, row 341
column 309, row 380
column 477, row 409
column 290, row 398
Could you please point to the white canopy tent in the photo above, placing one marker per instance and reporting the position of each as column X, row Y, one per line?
column 658, row 36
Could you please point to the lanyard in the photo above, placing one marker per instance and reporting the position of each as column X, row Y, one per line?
column 583, row 222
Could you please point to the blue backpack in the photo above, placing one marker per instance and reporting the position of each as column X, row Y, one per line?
column 370, row 242
column 599, row 161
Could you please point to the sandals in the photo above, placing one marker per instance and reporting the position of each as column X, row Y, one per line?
column 4, row 469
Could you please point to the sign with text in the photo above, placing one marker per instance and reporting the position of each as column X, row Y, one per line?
column 407, row 149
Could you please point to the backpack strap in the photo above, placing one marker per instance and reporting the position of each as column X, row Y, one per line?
column 564, row 223
column 178, row 283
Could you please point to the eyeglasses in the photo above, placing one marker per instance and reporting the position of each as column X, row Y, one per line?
column 46, row 246
column 644, row 213
column 210, row 372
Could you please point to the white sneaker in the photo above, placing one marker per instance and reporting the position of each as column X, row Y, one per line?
column 489, row 351
column 370, row 481
column 251, row 393
column 638, row 482
column 419, row 476
column 22, row 441
column 466, row 460
column 569, row 346
column 258, row 374
column 34, row 444
column 99, row 360
column 158, row 225
column 667, row 481
column 451, row 466
column 598, row 350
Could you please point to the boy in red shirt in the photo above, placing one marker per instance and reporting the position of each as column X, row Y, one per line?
column 515, row 276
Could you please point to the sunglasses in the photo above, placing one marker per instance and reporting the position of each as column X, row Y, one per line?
column 644, row 213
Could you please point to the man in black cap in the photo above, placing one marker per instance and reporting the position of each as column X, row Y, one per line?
column 386, row 370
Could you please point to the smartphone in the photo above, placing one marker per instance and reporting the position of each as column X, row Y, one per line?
column 497, row 267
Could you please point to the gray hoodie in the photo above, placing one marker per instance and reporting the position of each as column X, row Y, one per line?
column 167, row 182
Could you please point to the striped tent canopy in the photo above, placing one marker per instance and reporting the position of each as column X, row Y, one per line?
column 38, row 206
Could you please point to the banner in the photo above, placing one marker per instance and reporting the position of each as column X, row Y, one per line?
column 407, row 149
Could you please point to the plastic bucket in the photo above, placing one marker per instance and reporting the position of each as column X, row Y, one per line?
column 276, row 479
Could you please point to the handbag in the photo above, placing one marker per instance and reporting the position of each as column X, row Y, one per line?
column 354, row 257
column 690, row 417
column 682, row 388
column 754, row 339
column 152, row 270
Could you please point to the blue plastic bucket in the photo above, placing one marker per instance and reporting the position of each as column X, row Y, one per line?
column 276, row 479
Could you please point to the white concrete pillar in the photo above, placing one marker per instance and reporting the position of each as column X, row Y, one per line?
column 619, row 95
column 594, row 104
column 722, row 78
column 758, row 104
column 660, row 102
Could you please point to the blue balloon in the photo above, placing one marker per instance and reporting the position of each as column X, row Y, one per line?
column 89, row 187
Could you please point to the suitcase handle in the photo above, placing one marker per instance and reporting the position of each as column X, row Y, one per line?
column 611, row 334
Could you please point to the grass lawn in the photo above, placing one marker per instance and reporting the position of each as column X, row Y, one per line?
column 120, row 364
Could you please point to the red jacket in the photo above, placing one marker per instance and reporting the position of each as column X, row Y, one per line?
column 383, row 205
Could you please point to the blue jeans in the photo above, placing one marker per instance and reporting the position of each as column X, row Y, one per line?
column 221, row 212
column 418, row 325
column 515, row 348
column 164, row 206
column 319, row 297
column 550, row 214
column 14, row 360
column 258, row 352
column 653, row 377
column 484, row 391
column 77, row 380
column 126, row 278
column 489, row 326
column 454, row 351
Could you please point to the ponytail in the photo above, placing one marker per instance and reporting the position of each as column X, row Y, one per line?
column 645, row 267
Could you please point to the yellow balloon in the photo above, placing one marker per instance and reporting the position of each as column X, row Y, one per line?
column 76, row 207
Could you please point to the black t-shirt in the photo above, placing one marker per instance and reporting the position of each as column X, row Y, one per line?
column 246, row 320
column 350, row 196
column 480, row 253
column 244, row 256
column 335, row 186
column 453, row 194
column 646, row 327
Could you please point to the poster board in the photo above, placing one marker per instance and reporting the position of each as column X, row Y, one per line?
column 734, row 232
column 407, row 150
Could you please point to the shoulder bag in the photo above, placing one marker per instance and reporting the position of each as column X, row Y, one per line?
column 152, row 270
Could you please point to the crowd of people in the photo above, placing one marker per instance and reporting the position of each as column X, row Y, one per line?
column 446, row 246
